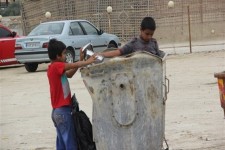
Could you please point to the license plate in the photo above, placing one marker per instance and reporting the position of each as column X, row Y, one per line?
column 33, row 44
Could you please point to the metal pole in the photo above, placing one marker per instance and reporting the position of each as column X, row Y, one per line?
column 189, row 28
column 109, row 22
column 201, row 11
column 98, row 15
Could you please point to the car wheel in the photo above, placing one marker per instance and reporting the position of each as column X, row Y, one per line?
column 111, row 45
column 69, row 56
column 31, row 67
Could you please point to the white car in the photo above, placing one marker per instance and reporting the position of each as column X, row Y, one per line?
column 32, row 49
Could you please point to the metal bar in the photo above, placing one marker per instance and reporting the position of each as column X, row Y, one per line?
column 201, row 11
column 189, row 28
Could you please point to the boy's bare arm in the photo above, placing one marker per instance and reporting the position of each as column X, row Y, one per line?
column 110, row 54
column 71, row 72
column 76, row 65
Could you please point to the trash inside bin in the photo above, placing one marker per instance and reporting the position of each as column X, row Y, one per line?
column 128, row 96
column 221, row 84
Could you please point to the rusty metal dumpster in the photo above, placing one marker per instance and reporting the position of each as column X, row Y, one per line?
column 221, row 84
column 128, row 96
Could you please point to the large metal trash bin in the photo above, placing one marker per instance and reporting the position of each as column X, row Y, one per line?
column 221, row 85
column 128, row 96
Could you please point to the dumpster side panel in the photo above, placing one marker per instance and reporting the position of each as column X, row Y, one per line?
column 128, row 108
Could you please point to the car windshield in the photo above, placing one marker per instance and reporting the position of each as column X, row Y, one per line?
column 47, row 29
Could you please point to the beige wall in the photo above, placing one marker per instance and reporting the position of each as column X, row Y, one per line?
column 172, row 23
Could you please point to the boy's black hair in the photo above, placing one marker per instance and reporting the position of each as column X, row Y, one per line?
column 55, row 48
column 148, row 23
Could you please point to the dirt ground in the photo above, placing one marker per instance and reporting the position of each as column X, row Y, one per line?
column 194, row 118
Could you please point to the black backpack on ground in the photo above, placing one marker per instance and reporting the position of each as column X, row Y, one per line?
column 83, row 128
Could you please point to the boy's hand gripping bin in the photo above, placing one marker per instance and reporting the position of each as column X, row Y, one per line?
column 221, row 84
column 129, row 95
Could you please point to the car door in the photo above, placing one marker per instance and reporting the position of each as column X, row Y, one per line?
column 77, row 37
column 7, row 47
column 98, row 41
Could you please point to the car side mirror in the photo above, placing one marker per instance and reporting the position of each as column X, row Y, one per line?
column 100, row 32
column 13, row 34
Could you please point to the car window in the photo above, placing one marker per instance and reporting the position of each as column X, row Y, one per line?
column 75, row 29
column 90, row 29
column 47, row 29
column 4, row 33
